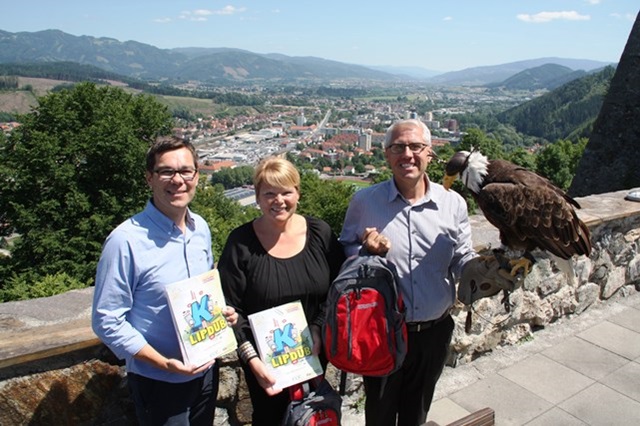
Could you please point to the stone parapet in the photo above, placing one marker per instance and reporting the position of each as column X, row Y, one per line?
column 53, row 369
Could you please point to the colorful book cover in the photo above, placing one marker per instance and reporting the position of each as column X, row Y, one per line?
column 284, row 342
column 196, row 307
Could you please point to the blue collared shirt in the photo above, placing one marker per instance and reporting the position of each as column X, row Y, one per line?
column 140, row 257
column 430, row 242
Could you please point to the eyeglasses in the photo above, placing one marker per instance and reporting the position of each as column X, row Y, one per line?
column 399, row 148
column 167, row 174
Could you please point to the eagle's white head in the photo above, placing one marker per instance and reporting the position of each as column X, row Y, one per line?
column 470, row 166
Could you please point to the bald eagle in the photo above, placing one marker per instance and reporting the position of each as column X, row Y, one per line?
column 528, row 210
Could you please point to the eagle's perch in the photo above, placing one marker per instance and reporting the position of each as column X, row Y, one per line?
column 528, row 210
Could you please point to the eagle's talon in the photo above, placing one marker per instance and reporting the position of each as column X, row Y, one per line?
column 523, row 264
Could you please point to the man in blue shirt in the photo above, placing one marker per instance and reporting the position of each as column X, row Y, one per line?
column 424, row 230
column 164, row 243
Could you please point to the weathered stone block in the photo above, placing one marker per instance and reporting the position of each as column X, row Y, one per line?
column 633, row 270
column 74, row 395
column 587, row 295
column 563, row 302
column 615, row 280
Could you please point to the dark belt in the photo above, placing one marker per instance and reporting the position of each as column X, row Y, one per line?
column 417, row 327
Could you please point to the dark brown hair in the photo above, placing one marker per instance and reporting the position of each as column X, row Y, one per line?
column 168, row 143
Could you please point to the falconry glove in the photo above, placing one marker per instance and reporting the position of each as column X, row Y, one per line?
column 484, row 277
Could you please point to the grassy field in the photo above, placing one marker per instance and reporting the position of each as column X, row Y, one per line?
column 21, row 101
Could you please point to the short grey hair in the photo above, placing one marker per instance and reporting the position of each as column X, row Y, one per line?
column 426, row 134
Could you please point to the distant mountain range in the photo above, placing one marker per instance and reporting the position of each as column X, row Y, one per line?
column 223, row 65
column 485, row 75
column 547, row 76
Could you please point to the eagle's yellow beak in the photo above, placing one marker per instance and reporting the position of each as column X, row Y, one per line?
column 448, row 180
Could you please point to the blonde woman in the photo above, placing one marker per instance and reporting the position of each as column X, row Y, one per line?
column 277, row 258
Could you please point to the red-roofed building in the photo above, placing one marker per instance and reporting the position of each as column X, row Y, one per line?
column 216, row 167
column 439, row 142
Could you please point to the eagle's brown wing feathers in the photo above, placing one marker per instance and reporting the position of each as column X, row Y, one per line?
column 530, row 212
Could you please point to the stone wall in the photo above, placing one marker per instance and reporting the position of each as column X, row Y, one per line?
column 548, row 294
column 54, row 371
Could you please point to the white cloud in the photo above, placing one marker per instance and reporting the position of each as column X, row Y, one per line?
column 544, row 17
column 448, row 18
column 626, row 16
column 229, row 10
column 162, row 20
column 593, row 1
column 203, row 14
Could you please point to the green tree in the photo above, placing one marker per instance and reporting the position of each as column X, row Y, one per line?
column 233, row 177
column 382, row 176
column 324, row 199
column 558, row 161
column 221, row 213
column 524, row 158
column 73, row 171
column 487, row 145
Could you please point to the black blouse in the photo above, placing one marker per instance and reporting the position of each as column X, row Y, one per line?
column 253, row 280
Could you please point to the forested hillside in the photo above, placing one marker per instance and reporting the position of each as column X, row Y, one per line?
column 73, row 71
column 69, row 71
column 559, row 113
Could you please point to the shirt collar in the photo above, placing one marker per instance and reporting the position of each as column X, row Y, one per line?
column 430, row 195
column 163, row 222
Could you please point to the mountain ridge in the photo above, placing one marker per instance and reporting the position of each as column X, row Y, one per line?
column 547, row 76
column 144, row 61
column 483, row 75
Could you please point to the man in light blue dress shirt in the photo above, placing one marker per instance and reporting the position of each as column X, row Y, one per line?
column 424, row 230
column 164, row 243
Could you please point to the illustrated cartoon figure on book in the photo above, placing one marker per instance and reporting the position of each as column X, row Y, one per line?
column 196, row 317
column 203, row 315
column 287, row 344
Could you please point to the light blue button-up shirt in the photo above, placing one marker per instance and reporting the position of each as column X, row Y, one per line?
column 139, row 258
column 430, row 242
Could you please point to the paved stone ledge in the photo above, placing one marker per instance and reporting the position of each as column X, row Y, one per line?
column 595, row 210
column 39, row 328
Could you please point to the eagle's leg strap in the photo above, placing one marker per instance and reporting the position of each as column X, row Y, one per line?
column 505, row 301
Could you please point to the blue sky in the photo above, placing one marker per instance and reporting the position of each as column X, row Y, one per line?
column 443, row 36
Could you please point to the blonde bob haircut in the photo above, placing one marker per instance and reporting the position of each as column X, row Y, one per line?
column 276, row 172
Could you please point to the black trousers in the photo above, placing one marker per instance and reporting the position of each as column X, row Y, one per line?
column 405, row 396
column 267, row 410
column 162, row 403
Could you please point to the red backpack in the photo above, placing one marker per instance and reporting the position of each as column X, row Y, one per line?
column 313, row 403
column 364, row 331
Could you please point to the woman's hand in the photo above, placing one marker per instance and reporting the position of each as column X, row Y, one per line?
column 230, row 315
column 265, row 379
